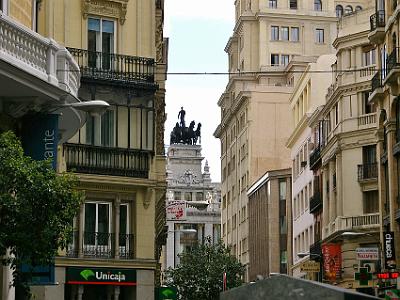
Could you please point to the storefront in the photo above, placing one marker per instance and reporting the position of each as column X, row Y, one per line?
column 100, row 283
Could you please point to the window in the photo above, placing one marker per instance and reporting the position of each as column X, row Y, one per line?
column 97, row 223
column 336, row 112
column 100, row 39
column 124, row 228
column 369, row 57
column 284, row 33
column 274, row 33
column 284, row 59
column 188, row 196
column 100, row 129
column 293, row 4
column 282, row 189
column 274, row 59
column 199, row 196
column 294, row 34
column 369, row 154
column 339, row 11
column 368, row 108
column 319, row 36
column 317, row 5
column 358, row 8
column 371, row 202
column 273, row 3
column 178, row 195
column 348, row 10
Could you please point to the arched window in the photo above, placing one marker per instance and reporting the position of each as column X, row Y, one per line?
column 318, row 5
column 339, row 11
column 358, row 8
column 348, row 10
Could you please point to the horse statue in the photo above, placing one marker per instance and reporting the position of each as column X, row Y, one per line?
column 176, row 134
column 197, row 134
column 188, row 134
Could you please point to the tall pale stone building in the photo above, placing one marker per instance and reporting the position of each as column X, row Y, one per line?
column 268, row 38
column 193, row 203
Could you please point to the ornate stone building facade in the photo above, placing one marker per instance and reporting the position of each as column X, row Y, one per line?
column 193, row 204
column 118, row 156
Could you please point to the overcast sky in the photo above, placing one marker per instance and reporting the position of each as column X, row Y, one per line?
column 198, row 31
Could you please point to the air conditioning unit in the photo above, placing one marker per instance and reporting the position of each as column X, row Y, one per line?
column 370, row 266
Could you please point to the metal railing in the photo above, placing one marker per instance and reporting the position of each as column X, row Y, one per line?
column 367, row 171
column 315, row 202
column 377, row 20
column 315, row 156
column 114, row 67
column 376, row 81
column 393, row 59
column 101, row 245
column 100, row 160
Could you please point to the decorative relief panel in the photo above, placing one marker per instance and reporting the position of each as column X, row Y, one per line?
column 108, row 8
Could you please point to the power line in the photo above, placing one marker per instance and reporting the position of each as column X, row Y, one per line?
column 240, row 73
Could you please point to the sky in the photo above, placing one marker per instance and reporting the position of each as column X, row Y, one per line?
column 198, row 31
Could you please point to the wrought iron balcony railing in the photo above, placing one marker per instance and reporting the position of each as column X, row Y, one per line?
column 315, row 157
column 367, row 171
column 113, row 67
column 315, row 202
column 377, row 20
column 101, row 245
column 393, row 59
column 316, row 251
column 376, row 81
column 113, row 161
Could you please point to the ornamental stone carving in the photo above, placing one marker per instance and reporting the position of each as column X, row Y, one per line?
column 108, row 8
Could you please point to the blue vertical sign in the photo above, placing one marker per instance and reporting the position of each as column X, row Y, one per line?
column 40, row 137
column 40, row 141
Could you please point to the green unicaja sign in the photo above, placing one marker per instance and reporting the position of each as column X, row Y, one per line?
column 106, row 276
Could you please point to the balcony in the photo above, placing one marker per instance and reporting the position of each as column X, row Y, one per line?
column 367, row 172
column 316, row 251
column 101, row 245
column 315, row 158
column 315, row 202
column 393, row 70
column 366, row 221
column 114, row 68
column 377, row 27
column 34, row 55
column 376, row 88
column 88, row 159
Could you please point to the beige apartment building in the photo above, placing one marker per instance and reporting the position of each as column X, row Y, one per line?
column 308, row 96
column 255, row 114
column 384, row 33
column 343, row 160
column 115, row 52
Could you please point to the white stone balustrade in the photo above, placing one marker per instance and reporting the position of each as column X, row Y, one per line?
column 38, row 56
